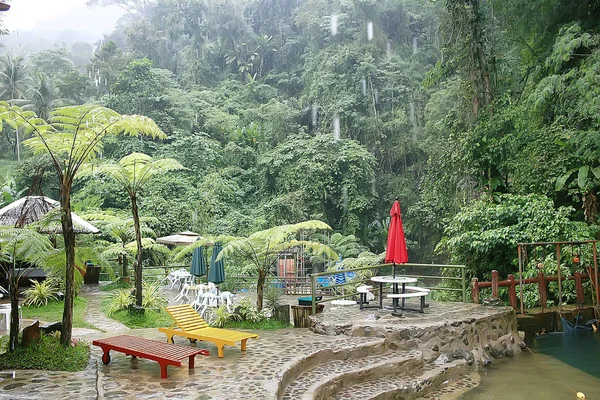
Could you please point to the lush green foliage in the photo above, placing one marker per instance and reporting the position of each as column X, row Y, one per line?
column 485, row 234
column 122, row 299
column 48, row 354
column 282, row 115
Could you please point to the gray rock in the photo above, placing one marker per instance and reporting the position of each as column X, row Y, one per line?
column 493, row 302
column 457, row 354
column 51, row 328
column 523, row 346
column 443, row 359
column 496, row 353
column 509, row 352
column 485, row 360
column 469, row 357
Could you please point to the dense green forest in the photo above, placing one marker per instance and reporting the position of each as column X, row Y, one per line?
column 481, row 116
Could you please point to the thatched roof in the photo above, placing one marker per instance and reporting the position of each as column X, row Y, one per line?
column 32, row 209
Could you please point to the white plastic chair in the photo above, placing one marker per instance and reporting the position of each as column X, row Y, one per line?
column 5, row 313
column 184, row 294
column 227, row 299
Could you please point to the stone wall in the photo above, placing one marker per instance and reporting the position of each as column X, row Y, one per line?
column 471, row 332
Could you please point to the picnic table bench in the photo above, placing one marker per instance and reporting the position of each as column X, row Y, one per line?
column 163, row 353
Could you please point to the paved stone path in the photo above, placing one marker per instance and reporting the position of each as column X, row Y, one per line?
column 291, row 355
column 93, row 312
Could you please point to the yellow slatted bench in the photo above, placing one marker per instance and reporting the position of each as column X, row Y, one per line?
column 192, row 326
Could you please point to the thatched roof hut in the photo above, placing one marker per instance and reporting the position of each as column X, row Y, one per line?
column 32, row 209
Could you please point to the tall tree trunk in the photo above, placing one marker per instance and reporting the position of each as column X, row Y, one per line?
column 69, row 238
column 138, row 241
column 260, row 288
column 14, row 309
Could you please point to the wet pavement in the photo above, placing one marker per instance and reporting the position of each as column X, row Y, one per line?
column 272, row 361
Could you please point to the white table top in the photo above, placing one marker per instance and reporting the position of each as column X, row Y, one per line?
column 390, row 279
column 180, row 273
column 343, row 302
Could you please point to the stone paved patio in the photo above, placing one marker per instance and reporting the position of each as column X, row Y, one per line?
column 255, row 374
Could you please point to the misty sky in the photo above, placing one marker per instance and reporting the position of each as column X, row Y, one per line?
column 60, row 15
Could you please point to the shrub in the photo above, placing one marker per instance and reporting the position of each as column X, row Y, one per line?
column 48, row 354
column 273, row 298
column 152, row 296
column 118, row 301
column 39, row 294
column 220, row 316
column 245, row 310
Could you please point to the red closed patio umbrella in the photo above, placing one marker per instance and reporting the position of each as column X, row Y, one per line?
column 396, row 246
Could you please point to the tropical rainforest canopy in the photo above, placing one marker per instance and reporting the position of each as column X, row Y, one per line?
column 481, row 116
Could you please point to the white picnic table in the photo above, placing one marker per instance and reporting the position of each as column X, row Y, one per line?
column 395, row 281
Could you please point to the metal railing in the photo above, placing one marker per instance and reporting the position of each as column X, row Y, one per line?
column 289, row 284
column 317, row 284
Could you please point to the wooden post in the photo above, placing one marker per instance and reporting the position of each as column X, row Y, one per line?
column 579, row 290
column 596, row 275
column 475, row 290
column 520, row 253
column 494, row 284
column 512, row 292
column 542, row 288
column 559, row 280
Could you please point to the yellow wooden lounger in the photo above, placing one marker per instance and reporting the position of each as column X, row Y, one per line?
column 192, row 326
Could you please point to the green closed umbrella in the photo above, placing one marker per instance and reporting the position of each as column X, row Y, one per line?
column 198, row 267
column 216, row 273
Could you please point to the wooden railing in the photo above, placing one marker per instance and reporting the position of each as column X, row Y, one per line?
column 541, row 280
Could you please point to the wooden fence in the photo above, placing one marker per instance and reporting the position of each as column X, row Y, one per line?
column 542, row 283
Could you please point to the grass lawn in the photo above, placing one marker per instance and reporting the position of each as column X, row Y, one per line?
column 149, row 319
column 266, row 325
column 54, row 310
column 116, row 285
column 47, row 354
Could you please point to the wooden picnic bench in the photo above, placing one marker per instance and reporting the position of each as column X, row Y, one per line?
column 163, row 353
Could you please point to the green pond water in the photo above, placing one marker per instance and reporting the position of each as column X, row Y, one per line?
column 560, row 361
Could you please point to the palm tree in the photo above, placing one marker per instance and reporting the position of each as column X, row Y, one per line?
column 73, row 136
column 20, row 246
column 133, row 172
column 344, row 246
column 43, row 96
column 263, row 248
column 13, row 77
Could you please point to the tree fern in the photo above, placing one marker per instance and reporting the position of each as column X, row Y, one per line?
column 263, row 248
column 133, row 172
column 73, row 136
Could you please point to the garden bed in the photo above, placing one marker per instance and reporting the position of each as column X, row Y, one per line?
column 47, row 354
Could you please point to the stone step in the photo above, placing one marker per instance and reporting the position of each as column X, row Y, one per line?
column 416, row 383
column 322, row 380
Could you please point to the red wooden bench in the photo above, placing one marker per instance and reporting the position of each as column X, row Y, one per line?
column 164, row 353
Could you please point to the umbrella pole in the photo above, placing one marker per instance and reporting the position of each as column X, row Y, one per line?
column 394, row 271
column 206, row 263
